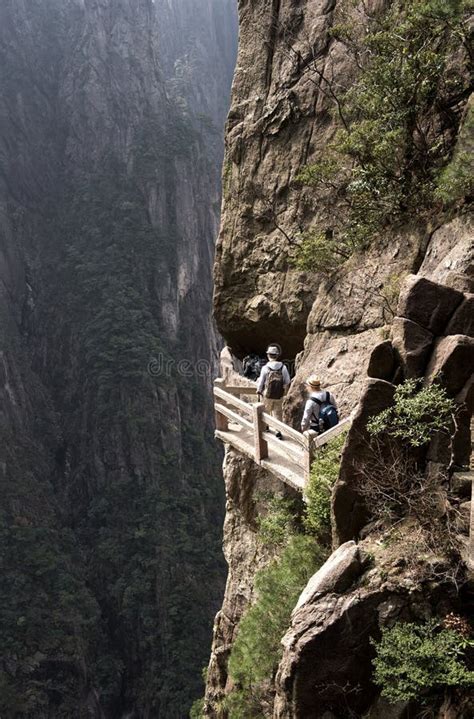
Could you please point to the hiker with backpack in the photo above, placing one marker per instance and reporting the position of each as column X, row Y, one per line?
column 273, row 383
column 320, row 411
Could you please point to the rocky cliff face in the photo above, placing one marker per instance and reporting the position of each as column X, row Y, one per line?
column 111, row 500
column 280, row 118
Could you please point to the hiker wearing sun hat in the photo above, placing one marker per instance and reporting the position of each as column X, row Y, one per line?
column 320, row 410
column 273, row 383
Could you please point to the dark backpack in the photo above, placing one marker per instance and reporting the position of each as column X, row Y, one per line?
column 274, row 387
column 253, row 366
column 328, row 415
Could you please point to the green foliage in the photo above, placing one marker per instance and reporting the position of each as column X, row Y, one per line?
column 324, row 473
column 118, row 334
column 456, row 180
column 139, row 479
column 396, row 126
column 197, row 709
column 277, row 524
column 413, row 659
column 322, row 251
column 415, row 415
column 110, row 545
column 257, row 650
column 47, row 621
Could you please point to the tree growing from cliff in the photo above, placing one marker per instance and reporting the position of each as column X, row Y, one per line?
column 398, row 122
column 257, row 650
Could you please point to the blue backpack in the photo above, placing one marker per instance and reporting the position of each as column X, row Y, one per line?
column 328, row 415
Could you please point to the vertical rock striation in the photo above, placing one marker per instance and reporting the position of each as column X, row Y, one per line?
column 111, row 500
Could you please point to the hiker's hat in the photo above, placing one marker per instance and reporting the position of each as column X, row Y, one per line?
column 314, row 382
column 274, row 350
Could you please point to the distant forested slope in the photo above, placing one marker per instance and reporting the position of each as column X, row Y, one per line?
column 110, row 496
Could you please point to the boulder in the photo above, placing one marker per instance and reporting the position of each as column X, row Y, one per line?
column 452, row 363
column 326, row 664
column 449, row 257
column 382, row 362
column 327, row 655
column 462, row 322
column 413, row 344
column 427, row 303
column 336, row 575
column 349, row 511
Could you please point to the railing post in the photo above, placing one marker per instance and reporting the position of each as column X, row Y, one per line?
column 261, row 446
column 308, row 456
column 222, row 423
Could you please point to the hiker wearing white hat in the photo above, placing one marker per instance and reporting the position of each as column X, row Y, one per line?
column 320, row 411
column 273, row 383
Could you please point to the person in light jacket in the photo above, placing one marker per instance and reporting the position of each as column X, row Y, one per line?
column 316, row 397
column 273, row 383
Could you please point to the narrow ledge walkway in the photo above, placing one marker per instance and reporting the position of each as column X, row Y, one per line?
column 242, row 422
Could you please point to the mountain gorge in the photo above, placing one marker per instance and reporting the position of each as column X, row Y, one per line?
column 110, row 152
column 345, row 235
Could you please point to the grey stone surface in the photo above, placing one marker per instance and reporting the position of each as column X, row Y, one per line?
column 462, row 322
column 452, row 363
column 427, row 303
column 349, row 510
column 382, row 362
column 449, row 257
column 336, row 575
column 413, row 344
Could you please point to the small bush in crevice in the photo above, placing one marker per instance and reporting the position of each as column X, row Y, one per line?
column 416, row 415
column 393, row 477
column 257, row 650
column 324, row 473
column 394, row 486
column 413, row 660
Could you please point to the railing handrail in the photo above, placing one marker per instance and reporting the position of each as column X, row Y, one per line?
column 319, row 440
column 300, row 448
column 234, row 416
column 241, row 389
column 232, row 400
column 274, row 423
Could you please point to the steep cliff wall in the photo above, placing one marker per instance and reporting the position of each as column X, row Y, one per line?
column 111, row 499
column 281, row 119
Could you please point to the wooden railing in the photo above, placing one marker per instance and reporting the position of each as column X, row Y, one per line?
column 250, row 416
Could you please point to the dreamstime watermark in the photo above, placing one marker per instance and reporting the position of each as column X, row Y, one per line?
column 162, row 366
column 165, row 366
